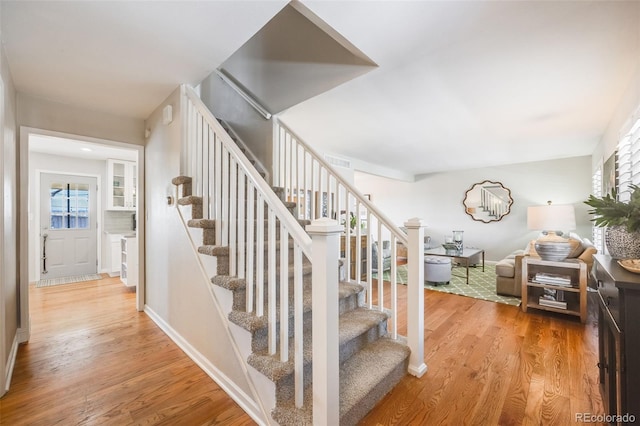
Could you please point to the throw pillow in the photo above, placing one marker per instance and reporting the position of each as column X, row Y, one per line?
column 576, row 248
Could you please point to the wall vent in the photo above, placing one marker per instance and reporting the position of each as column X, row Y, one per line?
column 340, row 162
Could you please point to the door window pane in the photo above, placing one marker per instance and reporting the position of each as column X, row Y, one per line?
column 69, row 206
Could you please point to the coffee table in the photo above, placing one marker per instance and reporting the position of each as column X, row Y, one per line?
column 467, row 256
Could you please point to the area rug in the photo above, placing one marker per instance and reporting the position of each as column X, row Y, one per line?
column 68, row 280
column 482, row 285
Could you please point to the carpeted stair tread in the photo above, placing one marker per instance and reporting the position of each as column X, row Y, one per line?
column 228, row 282
column 180, row 180
column 248, row 320
column 190, row 200
column 364, row 379
column 346, row 288
column 202, row 223
column 358, row 321
column 213, row 250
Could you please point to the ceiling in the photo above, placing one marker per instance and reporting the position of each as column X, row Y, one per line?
column 459, row 84
column 78, row 149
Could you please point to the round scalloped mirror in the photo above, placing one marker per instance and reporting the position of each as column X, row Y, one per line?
column 487, row 201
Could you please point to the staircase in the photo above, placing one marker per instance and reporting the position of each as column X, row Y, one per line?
column 264, row 266
column 371, row 364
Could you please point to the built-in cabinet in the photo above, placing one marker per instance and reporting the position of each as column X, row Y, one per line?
column 122, row 184
column 129, row 261
column 619, row 339
column 112, row 264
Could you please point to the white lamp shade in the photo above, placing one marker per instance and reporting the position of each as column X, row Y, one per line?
column 551, row 218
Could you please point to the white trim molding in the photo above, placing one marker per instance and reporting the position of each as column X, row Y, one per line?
column 13, row 354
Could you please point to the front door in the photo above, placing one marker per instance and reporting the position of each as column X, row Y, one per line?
column 68, row 225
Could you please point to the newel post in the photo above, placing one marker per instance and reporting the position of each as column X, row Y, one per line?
column 415, row 296
column 326, row 379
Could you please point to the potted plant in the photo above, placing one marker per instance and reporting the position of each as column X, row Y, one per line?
column 622, row 222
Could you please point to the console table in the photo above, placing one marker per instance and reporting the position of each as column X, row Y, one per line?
column 619, row 337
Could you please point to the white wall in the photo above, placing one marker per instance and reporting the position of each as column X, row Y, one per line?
column 54, row 116
column 437, row 198
column 177, row 292
column 9, row 262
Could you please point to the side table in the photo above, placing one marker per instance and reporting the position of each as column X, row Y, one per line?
column 555, row 286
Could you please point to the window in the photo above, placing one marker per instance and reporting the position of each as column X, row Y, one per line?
column 597, row 232
column 628, row 161
column 69, row 205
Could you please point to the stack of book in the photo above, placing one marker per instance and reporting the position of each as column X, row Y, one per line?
column 553, row 298
column 552, row 279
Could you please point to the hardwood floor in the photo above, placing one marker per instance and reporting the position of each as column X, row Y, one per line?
column 93, row 359
column 491, row 364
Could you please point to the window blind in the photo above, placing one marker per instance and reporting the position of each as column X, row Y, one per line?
column 597, row 233
column 628, row 161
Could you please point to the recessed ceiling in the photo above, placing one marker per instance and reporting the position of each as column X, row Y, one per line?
column 460, row 84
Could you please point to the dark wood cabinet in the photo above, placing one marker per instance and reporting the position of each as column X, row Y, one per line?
column 619, row 339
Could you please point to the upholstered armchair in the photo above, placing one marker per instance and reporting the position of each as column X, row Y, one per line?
column 386, row 256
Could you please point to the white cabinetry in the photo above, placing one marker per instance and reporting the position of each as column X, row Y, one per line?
column 113, row 255
column 129, row 261
column 122, row 184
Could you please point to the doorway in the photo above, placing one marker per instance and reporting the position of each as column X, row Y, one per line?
column 51, row 152
column 68, row 232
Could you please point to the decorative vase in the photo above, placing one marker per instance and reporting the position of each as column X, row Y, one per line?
column 457, row 239
column 621, row 243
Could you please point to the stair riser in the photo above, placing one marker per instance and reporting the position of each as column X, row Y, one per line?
column 209, row 236
column 347, row 349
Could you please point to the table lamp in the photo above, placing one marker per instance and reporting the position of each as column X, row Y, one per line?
column 552, row 219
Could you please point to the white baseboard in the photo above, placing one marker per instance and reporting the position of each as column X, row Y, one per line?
column 24, row 333
column 237, row 394
column 13, row 354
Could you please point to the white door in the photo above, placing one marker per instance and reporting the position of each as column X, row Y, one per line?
column 68, row 225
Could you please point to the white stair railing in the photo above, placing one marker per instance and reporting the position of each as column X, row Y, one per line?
column 319, row 192
column 237, row 197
